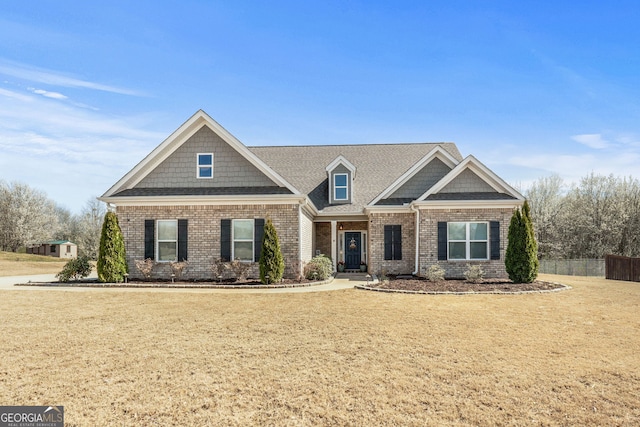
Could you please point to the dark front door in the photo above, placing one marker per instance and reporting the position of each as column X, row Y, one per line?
column 352, row 242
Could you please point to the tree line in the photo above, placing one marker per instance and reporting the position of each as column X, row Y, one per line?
column 28, row 217
column 597, row 216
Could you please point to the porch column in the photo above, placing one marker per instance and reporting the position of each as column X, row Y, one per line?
column 334, row 245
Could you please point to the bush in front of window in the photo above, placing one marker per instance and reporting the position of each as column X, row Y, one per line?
column 521, row 258
column 320, row 267
column 177, row 268
column 271, row 259
column 145, row 266
column 112, row 262
column 75, row 269
column 474, row 273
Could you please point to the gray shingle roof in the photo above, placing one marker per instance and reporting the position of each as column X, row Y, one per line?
column 377, row 167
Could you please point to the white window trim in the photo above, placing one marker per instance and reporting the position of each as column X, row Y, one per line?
column 335, row 187
column 158, row 241
column 234, row 240
column 199, row 166
column 468, row 241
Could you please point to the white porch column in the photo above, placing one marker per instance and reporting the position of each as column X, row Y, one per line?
column 334, row 245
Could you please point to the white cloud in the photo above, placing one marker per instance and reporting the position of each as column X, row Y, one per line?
column 46, row 93
column 592, row 140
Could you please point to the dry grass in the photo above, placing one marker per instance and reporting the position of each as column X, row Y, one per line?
column 141, row 358
column 17, row 264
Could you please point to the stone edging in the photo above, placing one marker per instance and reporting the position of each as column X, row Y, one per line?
column 152, row 285
column 404, row 291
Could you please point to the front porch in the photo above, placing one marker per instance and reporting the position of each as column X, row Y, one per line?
column 345, row 242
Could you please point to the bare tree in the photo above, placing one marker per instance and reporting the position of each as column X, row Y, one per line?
column 546, row 201
column 88, row 228
column 27, row 216
column 597, row 216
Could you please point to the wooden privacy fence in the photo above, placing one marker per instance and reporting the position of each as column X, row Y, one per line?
column 622, row 268
column 573, row 267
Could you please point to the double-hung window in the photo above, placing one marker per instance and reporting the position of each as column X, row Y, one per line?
column 243, row 239
column 167, row 240
column 468, row 240
column 340, row 186
column 205, row 165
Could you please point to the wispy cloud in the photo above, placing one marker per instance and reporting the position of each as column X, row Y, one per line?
column 70, row 152
column 592, row 140
column 46, row 93
column 621, row 161
column 57, row 78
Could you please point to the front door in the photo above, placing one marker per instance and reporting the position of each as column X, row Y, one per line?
column 352, row 242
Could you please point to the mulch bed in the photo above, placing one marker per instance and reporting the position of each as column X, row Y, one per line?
column 461, row 286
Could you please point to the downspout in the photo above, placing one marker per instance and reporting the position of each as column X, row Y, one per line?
column 302, row 204
column 417, row 260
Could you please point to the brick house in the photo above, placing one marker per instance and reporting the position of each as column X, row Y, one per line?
column 202, row 195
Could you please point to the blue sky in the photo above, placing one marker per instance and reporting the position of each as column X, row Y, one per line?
column 529, row 88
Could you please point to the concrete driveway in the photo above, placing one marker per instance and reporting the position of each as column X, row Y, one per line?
column 340, row 282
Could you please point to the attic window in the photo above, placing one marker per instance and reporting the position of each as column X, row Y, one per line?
column 340, row 186
column 205, row 165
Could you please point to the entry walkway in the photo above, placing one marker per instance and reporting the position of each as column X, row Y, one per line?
column 340, row 282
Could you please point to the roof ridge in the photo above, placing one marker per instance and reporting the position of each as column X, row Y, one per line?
column 350, row 145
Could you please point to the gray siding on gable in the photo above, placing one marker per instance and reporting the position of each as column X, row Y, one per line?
column 424, row 179
column 467, row 182
column 230, row 168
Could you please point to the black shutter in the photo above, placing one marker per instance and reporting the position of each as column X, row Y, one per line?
column 149, row 238
column 397, row 242
column 182, row 239
column 258, row 233
column 494, row 234
column 442, row 241
column 388, row 242
column 225, row 239
column 392, row 242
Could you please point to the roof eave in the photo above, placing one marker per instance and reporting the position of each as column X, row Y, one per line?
column 202, row 200
column 468, row 204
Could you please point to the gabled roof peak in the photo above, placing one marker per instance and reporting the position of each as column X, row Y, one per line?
column 341, row 160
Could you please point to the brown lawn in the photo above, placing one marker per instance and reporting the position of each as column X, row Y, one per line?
column 17, row 264
column 195, row 358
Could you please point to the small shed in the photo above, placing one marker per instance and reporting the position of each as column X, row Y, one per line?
column 55, row 248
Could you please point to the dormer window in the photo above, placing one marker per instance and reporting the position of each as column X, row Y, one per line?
column 205, row 165
column 340, row 176
column 341, row 187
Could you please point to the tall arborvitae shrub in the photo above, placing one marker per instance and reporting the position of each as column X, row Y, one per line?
column 532, row 243
column 521, row 258
column 112, row 261
column 271, row 259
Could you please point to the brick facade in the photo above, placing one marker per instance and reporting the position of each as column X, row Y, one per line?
column 204, row 233
column 377, row 263
column 429, row 219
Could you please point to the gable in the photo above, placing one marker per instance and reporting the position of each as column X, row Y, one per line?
column 471, row 181
column 467, row 182
column 424, row 179
column 230, row 168
column 171, row 169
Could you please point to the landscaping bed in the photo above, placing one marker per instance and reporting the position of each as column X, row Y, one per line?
column 421, row 285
